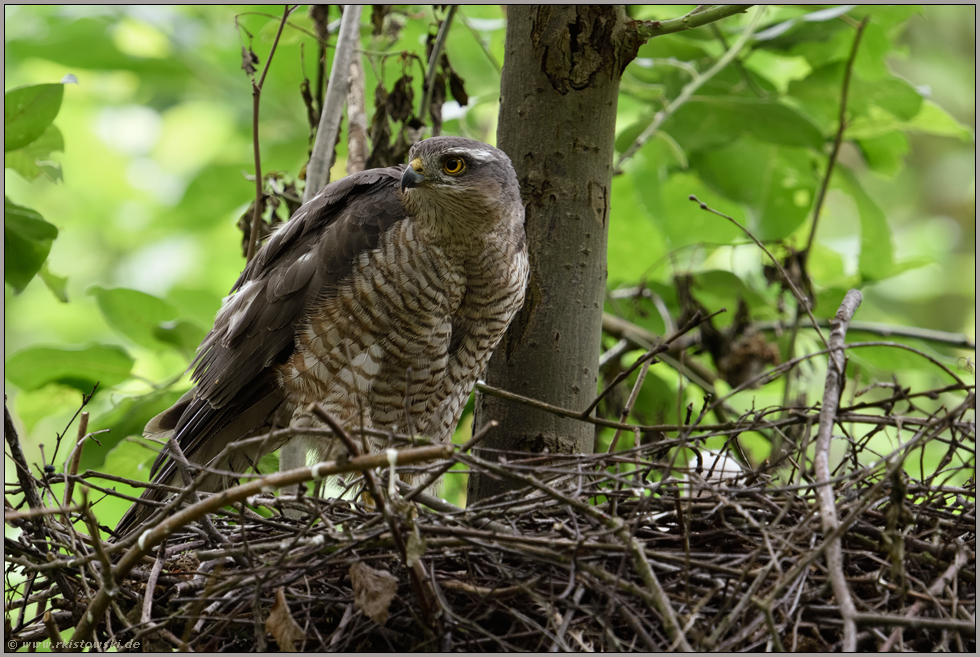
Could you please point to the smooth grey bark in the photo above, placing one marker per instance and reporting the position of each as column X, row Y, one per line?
column 559, row 89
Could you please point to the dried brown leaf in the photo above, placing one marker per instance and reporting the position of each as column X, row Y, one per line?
column 373, row 590
column 281, row 625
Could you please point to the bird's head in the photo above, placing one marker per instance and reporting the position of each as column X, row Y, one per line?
column 462, row 180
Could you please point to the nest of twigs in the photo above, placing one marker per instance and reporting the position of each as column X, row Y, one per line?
column 634, row 550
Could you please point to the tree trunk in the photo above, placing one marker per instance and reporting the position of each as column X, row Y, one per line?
column 559, row 89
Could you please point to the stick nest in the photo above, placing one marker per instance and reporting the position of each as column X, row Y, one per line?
column 603, row 552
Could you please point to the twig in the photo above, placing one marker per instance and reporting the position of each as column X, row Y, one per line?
column 701, row 18
column 838, row 138
column 661, row 347
column 960, row 340
column 417, row 574
column 443, row 469
column 701, row 15
column 54, row 634
column 75, row 458
column 789, row 281
column 434, row 56
column 153, row 536
column 24, row 476
column 318, row 169
column 151, row 584
column 253, row 236
column 961, row 559
column 655, row 593
column 628, row 408
column 836, row 372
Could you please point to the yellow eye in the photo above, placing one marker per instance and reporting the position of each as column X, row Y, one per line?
column 454, row 166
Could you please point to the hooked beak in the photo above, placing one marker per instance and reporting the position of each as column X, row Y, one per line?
column 413, row 175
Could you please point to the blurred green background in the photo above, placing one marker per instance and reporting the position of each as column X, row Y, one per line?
column 157, row 154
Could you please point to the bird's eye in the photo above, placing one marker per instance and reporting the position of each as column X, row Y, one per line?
column 454, row 166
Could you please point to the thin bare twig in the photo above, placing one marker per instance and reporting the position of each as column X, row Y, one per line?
column 800, row 299
column 434, row 56
column 253, row 236
column 838, row 138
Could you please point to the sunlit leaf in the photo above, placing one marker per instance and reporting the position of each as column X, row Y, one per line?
column 34, row 159
column 55, row 283
column 27, row 113
column 27, row 239
column 141, row 317
column 80, row 368
column 778, row 184
column 875, row 260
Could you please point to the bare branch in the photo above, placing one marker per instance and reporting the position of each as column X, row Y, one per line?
column 253, row 237
column 700, row 15
column 836, row 372
column 434, row 56
column 318, row 170
column 357, row 146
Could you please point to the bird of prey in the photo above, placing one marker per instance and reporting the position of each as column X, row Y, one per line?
column 381, row 299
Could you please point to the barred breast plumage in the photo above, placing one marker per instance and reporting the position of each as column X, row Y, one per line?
column 381, row 299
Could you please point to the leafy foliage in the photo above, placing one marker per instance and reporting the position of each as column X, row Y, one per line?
column 29, row 138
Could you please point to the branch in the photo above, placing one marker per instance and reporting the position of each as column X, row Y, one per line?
column 959, row 340
column 152, row 537
column 836, row 365
column 24, row 477
column 696, row 18
column 253, row 235
column 838, row 138
column 789, row 281
column 437, row 47
column 318, row 170
column 696, row 83
column 357, row 147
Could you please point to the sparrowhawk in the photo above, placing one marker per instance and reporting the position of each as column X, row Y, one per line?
column 382, row 299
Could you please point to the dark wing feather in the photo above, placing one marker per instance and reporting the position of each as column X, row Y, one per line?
column 236, row 390
column 314, row 250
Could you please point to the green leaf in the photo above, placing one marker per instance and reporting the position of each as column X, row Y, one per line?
column 634, row 245
column 872, row 53
column 34, row 159
column 885, row 154
column 934, row 120
column 180, row 333
column 79, row 368
column 88, row 43
column 896, row 96
column 54, row 283
column 709, row 122
column 931, row 119
column 716, row 289
column 27, row 241
column 28, row 111
column 680, row 221
column 126, row 418
column 139, row 316
column 875, row 259
column 777, row 184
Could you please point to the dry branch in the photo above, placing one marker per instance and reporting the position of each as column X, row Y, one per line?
column 836, row 372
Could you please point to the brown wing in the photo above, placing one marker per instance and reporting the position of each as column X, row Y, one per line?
column 236, row 389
